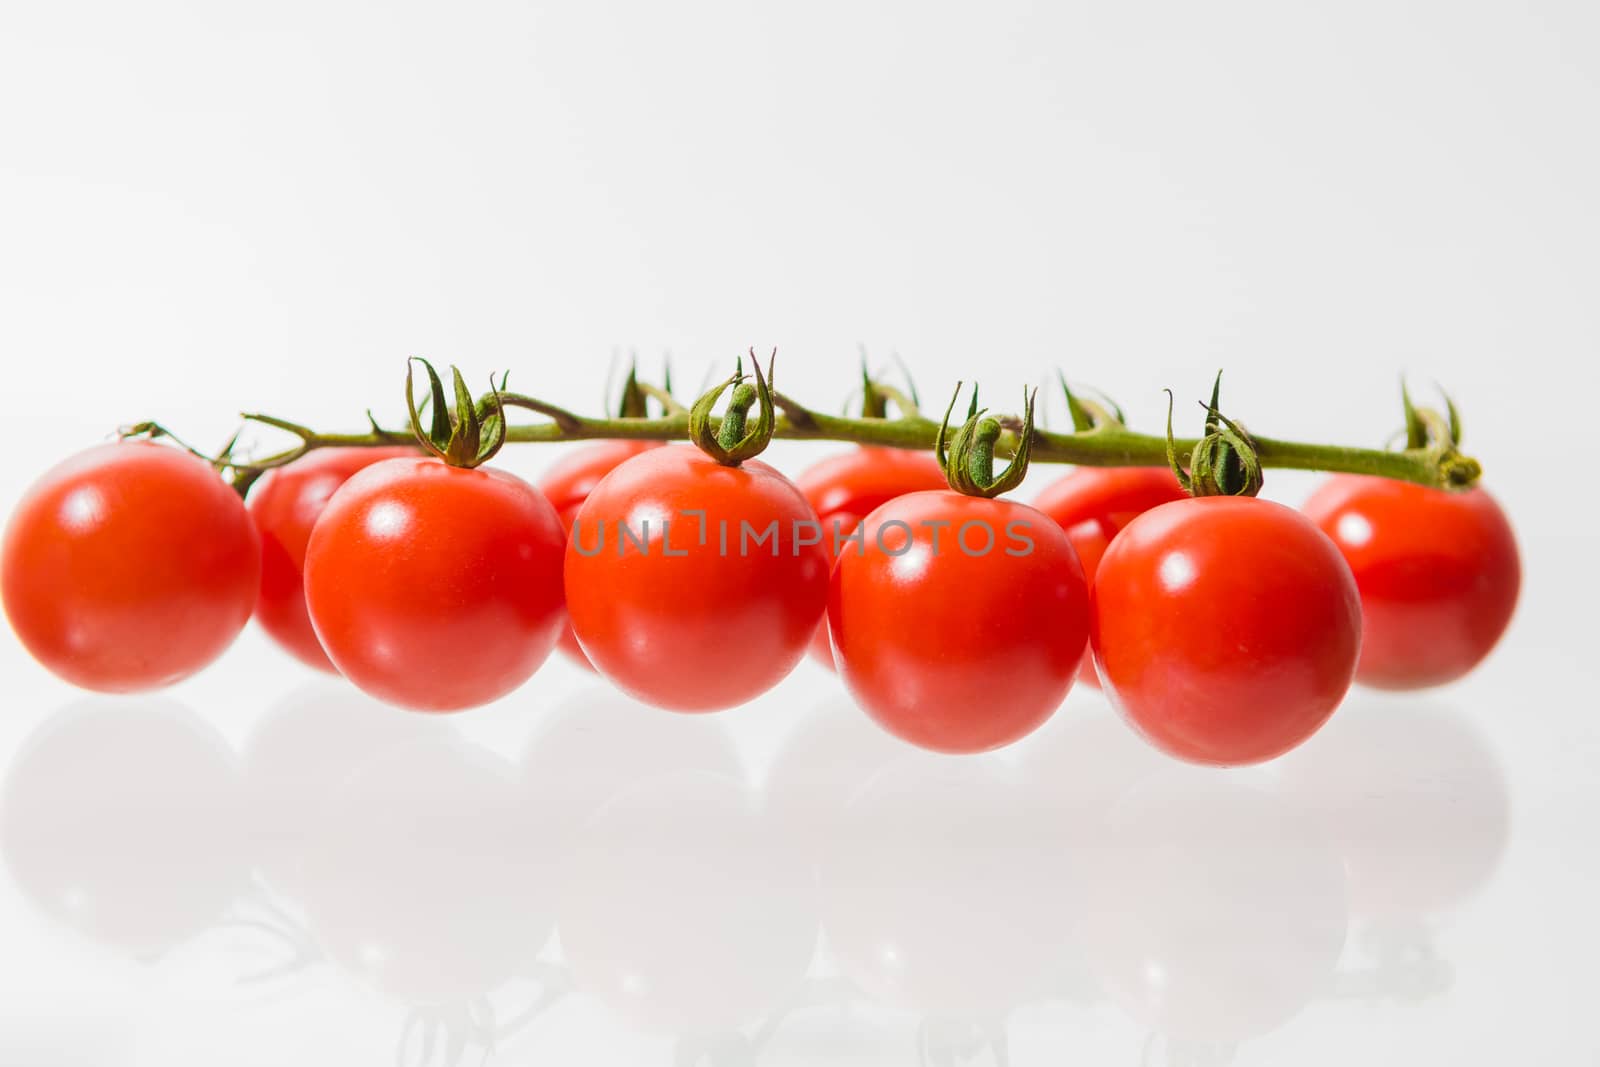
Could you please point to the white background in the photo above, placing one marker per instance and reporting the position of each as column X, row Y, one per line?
column 213, row 208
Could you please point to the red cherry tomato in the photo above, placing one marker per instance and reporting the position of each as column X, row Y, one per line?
column 567, row 484
column 1438, row 574
column 1225, row 629
column 960, row 623
column 285, row 505
column 846, row 488
column 129, row 567
column 1093, row 504
column 692, row 622
column 434, row 587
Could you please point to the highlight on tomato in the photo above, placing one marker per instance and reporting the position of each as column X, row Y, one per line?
column 958, row 620
column 1093, row 504
column 1438, row 574
column 285, row 504
column 696, row 573
column 129, row 567
column 434, row 583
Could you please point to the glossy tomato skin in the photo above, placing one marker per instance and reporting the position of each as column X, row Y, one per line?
column 285, row 505
column 947, row 648
column 567, row 484
column 1093, row 504
column 846, row 488
column 1225, row 629
column 1438, row 572
column 686, row 625
column 129, row 567
column 433, row 587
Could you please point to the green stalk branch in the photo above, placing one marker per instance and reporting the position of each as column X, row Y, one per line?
column 1437, row 463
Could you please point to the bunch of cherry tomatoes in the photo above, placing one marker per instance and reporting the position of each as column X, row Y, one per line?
column 1224, row 629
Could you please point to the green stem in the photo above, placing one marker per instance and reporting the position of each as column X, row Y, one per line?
column 980, row 461
column 1103, row 446
column 731, row 430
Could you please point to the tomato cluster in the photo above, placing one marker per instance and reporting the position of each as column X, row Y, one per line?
column 1224, row 629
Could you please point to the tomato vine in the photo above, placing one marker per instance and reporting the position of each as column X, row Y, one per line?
column 1100, row 436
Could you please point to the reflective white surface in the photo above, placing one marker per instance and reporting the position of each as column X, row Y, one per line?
column 568, row 876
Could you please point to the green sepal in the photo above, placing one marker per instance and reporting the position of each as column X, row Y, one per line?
column 1172, row 452
column 746, row 441
column 1082, row 421
column 456, row 436
column 967, row 456
column 633, row 403
column 1453, row 415
column 874, row 404
column 1416, row 430
column 1224, row 462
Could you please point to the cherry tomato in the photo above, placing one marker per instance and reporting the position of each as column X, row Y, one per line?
column 129, row 567
column 435, row 587
column 960, row 623
column 567, row 484
column 1438, row 574
column 1225, row 629
column 1093, row 503
column 846, row 488
column 285, row 506
column 691, row 585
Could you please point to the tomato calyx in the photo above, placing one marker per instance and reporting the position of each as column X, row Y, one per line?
column 464, row 437
column 1091, row 414
column 968, row 464
column 1440, row 435
column 731, row 440
column 1224, row 462
column 876, row 396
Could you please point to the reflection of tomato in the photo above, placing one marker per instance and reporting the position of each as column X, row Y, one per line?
column 680, row 910
column 1438, row 574
column 945, row 888
column 1225, row 629
column 829, row 756
column 600, row 743
column 846, row 488
column 121, row 821
column 129, row 567
column 285, row 505
column 435, row 587
column 297, row 756
column 718, row 605
column 1415, row 799
column 1093, row 504
column 959, row 624
column 567, row 484
column 1213, row 910
column 428, row 877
